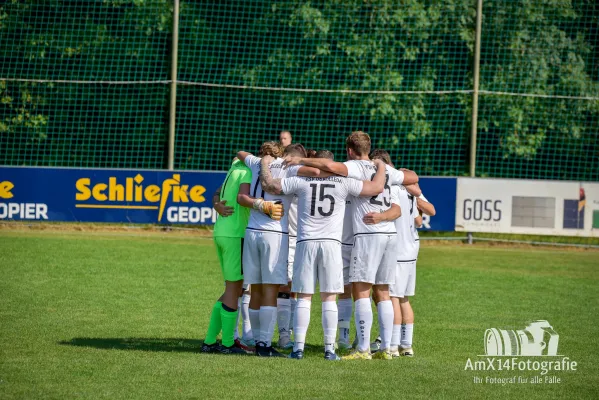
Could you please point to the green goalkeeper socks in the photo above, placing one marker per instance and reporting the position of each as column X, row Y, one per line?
column 228, row 316
column 215, row 323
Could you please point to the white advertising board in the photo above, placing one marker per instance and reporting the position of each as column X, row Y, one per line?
column 527, row 206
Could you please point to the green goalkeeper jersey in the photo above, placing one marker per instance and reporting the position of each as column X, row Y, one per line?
column 234, row 225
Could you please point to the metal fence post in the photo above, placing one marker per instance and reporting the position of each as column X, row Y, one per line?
column 479, row 11
column 474, row 131
column 173, row 103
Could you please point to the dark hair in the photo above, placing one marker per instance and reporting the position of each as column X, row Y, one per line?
column 310, row 153
column 324, row 154
column 295, row 149
column 381, row 155
column 359, row 142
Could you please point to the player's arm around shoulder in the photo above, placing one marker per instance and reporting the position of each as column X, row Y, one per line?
column 424, row 206
column 418, row 221
column 409, row 177
column 243, row 197
column 243, row 194
column 322, row 164
column 391, row 214
column 221, row 206
column 269, row 208
column 269, row 184
column 394, row 211
column 242, row 155
column 377, row 185
column 413, row 189
column 312, row 172
column 250, row 160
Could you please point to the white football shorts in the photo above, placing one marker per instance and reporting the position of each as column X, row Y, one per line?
column 405, row 280
column 346, row 256
column 265, row 257
column 290, row 257
column 317, row 261
column 373, row 258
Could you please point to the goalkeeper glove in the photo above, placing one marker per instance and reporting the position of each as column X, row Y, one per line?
column 273, row 209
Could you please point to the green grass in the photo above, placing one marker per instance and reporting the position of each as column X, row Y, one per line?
column 119, row 316
column 546, row 239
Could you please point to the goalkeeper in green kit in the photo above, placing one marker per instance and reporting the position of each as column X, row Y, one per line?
column 233, row 202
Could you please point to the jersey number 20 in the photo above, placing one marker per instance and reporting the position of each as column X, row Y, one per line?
column 386, row 199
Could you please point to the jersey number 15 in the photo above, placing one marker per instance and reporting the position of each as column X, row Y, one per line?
column 321, row 199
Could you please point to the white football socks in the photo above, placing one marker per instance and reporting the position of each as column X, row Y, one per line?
column 329, row 324
column 345, row 311
column 363, row 321
column 385, row 313
column 268, row 317
column 407, row 332
column 283, row 317
column 255, row 323
column 300, row 323
column 396, row 336
column 291, row 316
column 245, row 317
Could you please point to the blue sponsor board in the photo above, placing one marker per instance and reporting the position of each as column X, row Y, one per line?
column 104, row 195
column 441, row 192
column 146, row 196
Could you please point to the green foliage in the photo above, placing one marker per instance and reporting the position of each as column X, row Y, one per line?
column 84, row 125
column 341, row 47
column 543, row 49
column 401, row 71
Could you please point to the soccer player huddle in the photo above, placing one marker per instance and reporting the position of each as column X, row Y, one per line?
column 290, row 219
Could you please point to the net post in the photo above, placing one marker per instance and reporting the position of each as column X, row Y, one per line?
column 173, row 102
column 470, row 238
column 473, row 132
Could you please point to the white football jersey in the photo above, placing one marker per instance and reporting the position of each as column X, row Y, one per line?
column 348, row 221
column 364, row 170
column 408, row 243
column 417, row 214
column 259, row 221
column 321, row 205
column 293, row 217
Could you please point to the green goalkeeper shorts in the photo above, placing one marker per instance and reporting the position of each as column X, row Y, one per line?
column 230, row 255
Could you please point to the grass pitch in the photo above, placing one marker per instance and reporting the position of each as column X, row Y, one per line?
column 122, row 317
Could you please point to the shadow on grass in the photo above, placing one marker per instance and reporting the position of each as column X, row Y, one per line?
column 143, row 344
column 159, row 344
